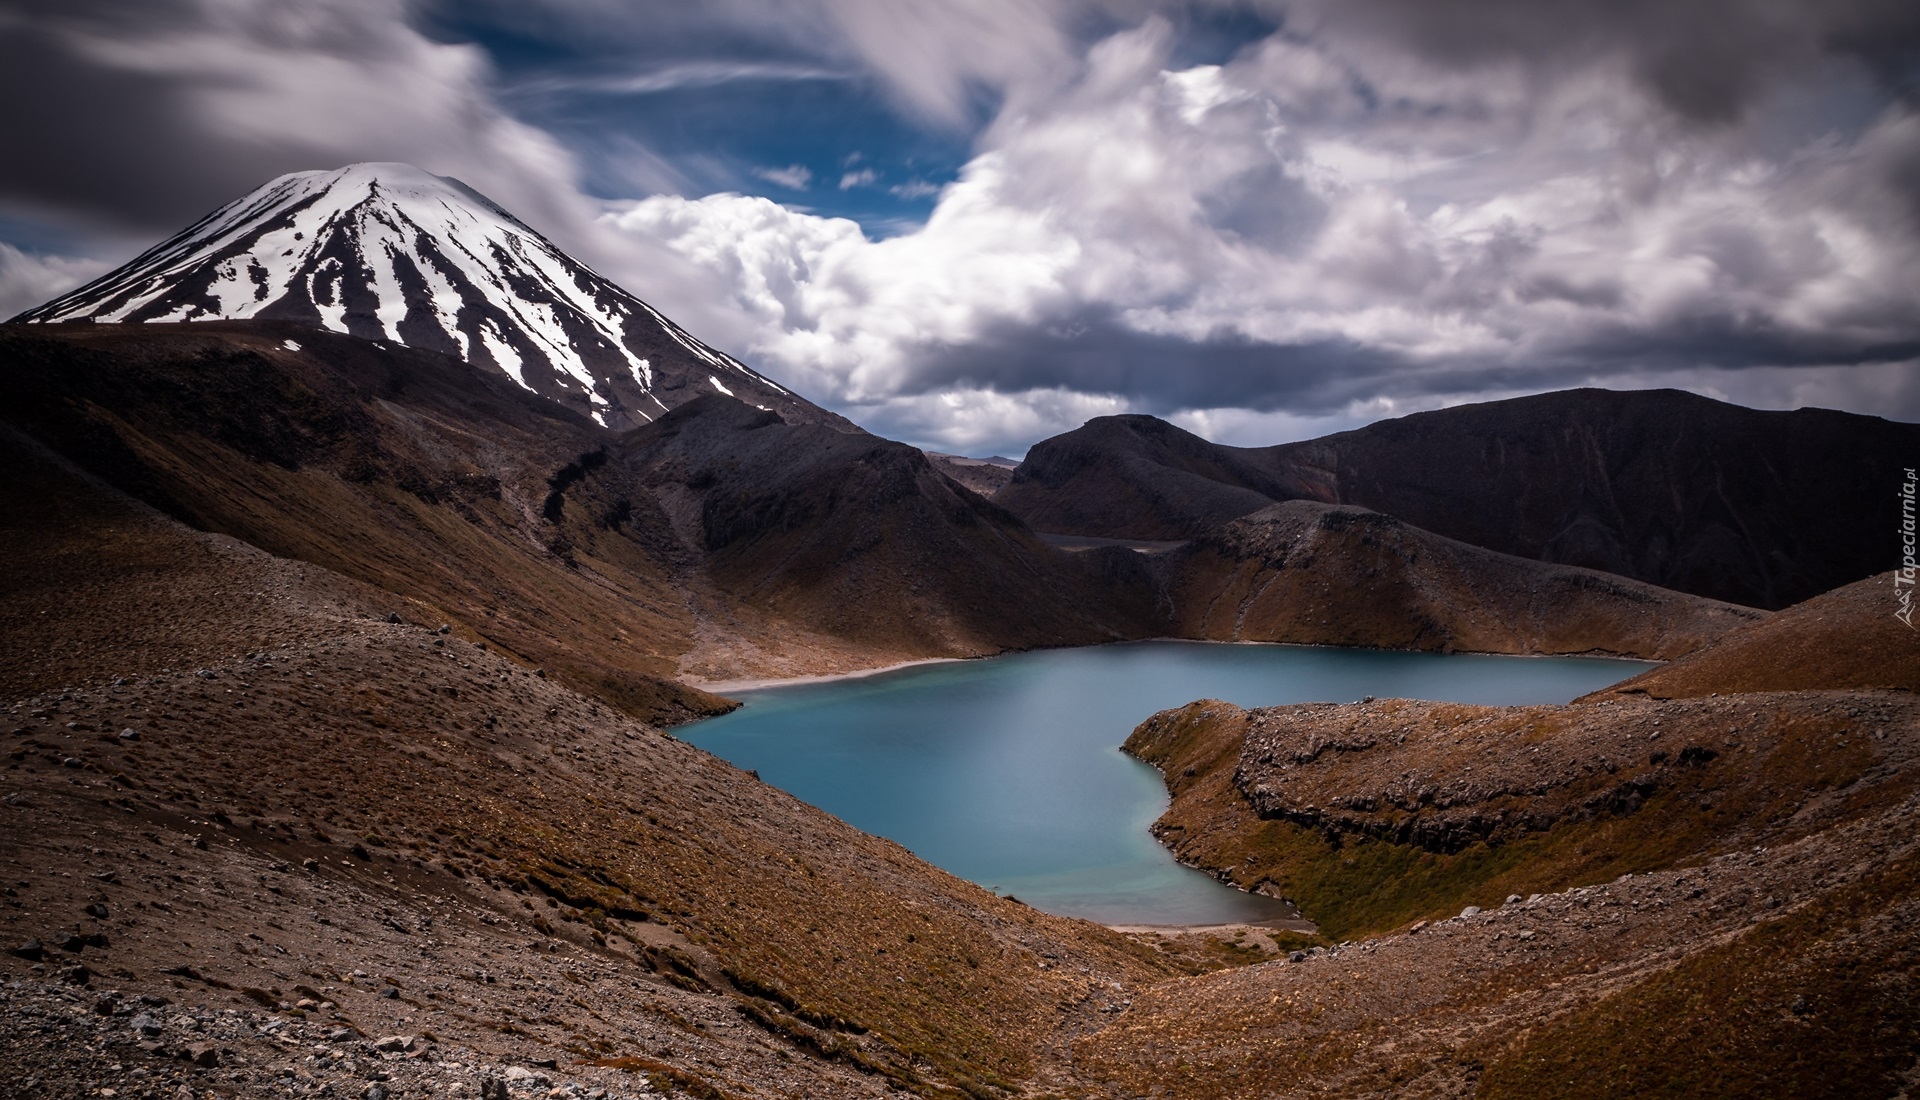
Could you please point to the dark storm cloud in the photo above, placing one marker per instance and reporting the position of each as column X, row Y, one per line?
column 1707, row 60
column 116, row 147
column 142, row 117
column 1094, row 353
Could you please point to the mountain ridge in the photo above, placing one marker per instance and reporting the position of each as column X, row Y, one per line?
column 1743, row 505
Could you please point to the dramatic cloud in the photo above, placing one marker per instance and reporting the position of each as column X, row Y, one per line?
column 148, row 115
column 1310, row 229
column 1262, row 219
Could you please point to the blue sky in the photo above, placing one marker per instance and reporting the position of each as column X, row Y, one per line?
column 974, row 224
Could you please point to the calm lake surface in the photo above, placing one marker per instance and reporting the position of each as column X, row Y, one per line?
column 1007, row 771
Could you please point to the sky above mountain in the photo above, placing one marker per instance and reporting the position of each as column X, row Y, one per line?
column 972, row 225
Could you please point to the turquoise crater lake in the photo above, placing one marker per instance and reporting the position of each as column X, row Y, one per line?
column 1007, row 771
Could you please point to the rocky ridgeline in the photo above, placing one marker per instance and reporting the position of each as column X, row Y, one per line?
column 1444, row 776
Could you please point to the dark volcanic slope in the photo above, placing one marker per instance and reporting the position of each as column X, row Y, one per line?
column 404, row 469
column 826, row 528
column 1760, row 508
column 1322, row 574
column 1139, row 477
column 723, row 541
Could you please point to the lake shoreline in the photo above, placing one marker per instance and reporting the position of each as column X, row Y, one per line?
column 1280, row 924
column 722, row 687
column 1007, row 771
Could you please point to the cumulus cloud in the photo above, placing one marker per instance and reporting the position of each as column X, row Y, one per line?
column 27, row 279
column 1310, row 228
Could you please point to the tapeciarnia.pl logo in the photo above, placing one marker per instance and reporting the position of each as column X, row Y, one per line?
column 1904, row 576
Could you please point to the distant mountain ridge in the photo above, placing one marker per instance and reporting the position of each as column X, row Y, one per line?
column 391, row 252
column 1736, row 504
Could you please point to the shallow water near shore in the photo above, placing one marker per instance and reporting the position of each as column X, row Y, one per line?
column 1008, row 771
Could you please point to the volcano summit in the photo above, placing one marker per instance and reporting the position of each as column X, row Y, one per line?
column 390, row 252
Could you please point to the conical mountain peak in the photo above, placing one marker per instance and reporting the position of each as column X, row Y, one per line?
column 387, row 251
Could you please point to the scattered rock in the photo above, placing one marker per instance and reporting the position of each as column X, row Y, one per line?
column 70, row 941
column 147, row 1024
column 204, row 1055
column 493, row 1088
column 30, row 950
column 394, row 1043
column 390, row 993
column 521, row 1075
column 97, row 911
column 1470, row 911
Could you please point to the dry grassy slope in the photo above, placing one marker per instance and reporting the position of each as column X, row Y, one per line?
column 404, row 469
column 1785, row 971
column 862, row 539
column 1847, row 638
column 1758, row 939
column 1334, row 575
column 460, row 810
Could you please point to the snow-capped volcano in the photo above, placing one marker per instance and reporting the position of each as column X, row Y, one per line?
column 389, row 252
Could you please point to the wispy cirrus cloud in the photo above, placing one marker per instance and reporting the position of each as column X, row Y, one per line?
column 671, row 77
